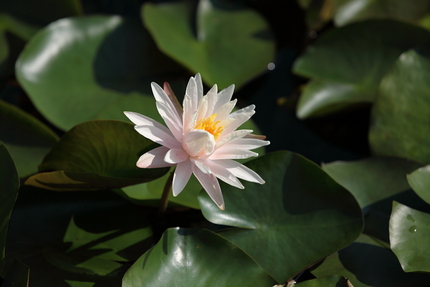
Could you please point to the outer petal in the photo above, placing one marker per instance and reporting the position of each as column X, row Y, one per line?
column 241, row 171
column 153, row 158
column 211, row 185
column 224, row 96
column 223, row 111
column 222, row 173
column 175, row 156
column 153, row 130
column 174, row 123
column 190, row 103
column 239, row 148
column 181, row 177
column 232, row 137
column 212, row 98
column 239, row 116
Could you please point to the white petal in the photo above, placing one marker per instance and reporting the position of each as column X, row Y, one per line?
column 201, row 110
column 202, row 167
column 160, row 96
column 223, row 111
column 240, row 116
column 222, row 173
column 223, row 139
column 198, row 143
column 212, row 97
column 153, row 158
column 174, row 124
column 169, row 92
column 181, row 177
column 175, row 156
column 231, row 152
column 190, row 103
column 199, row 85
column 224, row 96
column 241, row 171
column 158, row 135
column 211, row 186
column 245, row 143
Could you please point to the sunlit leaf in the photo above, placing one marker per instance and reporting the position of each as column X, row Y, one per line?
column 347, row 64
column 372, row 179
column 419, row 180
column 9, row 183
column 28, row 139
column 409, row 233
column 225, row 46
column 96, row 155
column 78, row 69
column 278, row 220
column 399, row 123
column 195, row 257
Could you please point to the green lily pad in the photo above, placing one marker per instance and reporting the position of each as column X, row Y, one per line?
column 27, row 138
column 225, row 46
column 100, row 64
column 9, row 184
column 399, row 120
column 17, row 276
column 96, row 155
column 278, row 220
column 419, row 180
column 195, row 257
column 372, row 179
column 348, row 63
column 366, row 263
column 348, row 11
column 409, row 233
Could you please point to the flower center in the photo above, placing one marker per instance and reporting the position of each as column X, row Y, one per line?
column 209, row 125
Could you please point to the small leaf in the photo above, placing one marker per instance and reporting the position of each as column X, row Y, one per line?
column 225, row 46
column 195, row 257
column 409, row 233
column 419, row 180
column 278, row 220
column 399, row 120
column 96, row 155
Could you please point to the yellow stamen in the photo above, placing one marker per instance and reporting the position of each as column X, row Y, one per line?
column 209, row 125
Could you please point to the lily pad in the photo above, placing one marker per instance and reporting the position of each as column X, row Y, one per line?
column 348, row 63
column 372, row 179
column 195, row 257
column 399, row 120
column 419, row 180
column 77, row 69
column 27, row 138
column 96, row 155
column 9, row 184
column 409, row 233
column 278, row 221
column 225, row 46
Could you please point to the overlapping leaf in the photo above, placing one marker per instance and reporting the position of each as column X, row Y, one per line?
column 347, row 64
column 297, row 217
column 409, row 233
column 96, row 155
column 195, row 257
column 225, row 46
column 400, row 113
column 419, row 180
column 28, row 139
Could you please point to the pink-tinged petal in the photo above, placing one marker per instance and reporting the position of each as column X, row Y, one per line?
column 222, row 173
column 198, row 143
column 199, row 85
column 175, row 156
column 201, row 166
column 153, row 158
column 158, row 135
column 181, row 177
column 224, row 139
column 241, row 171
column 201, row 110
column 139, row 119
column 240, row 116
column 212, row 97
column 245, row 143
column 223, row 111
column 211, row 186
column 175, row 125
column 224, row 96
column 161, row 97
column 232, row 152
column 169, row 92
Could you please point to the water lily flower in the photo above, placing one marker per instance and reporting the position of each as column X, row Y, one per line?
column 200, row 138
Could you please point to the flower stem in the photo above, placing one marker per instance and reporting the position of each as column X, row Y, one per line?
column 165, row 196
